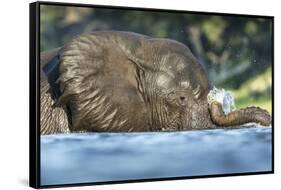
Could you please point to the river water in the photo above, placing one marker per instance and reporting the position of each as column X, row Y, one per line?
column 99, row 157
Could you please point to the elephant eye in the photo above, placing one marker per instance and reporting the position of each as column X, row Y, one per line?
column 171, row 95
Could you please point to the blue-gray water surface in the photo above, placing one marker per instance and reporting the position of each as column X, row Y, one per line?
column 98, row 157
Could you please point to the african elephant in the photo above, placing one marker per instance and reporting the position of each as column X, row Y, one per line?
column 122, row 82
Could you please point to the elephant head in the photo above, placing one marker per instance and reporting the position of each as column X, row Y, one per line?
column 120, row 81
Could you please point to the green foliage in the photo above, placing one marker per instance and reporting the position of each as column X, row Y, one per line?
column 256, row 91
column 234, row 50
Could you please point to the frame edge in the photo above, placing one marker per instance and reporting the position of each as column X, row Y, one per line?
column 34, row 161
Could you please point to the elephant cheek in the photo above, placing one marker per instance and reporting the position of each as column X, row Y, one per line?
column 197, row 117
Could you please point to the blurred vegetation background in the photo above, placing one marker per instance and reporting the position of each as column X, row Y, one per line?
column 236, row 51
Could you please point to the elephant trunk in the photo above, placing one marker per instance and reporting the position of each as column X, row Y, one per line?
column 239, row 117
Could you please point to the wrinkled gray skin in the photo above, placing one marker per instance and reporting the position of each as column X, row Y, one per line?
column 122, row 82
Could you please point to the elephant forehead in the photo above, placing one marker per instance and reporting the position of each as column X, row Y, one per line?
column 163, row 79
column 166, row 81
column 184, row 84
column 180, row 66
column 173, row 61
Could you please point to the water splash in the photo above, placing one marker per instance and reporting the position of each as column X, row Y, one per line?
column 224, row 97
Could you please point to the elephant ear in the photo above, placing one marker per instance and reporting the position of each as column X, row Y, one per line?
column 81, row 60
column 84, row 82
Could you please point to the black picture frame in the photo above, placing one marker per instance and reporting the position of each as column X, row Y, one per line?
column 34, row 98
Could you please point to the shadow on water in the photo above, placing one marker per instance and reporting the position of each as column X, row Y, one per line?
column 79, row 158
